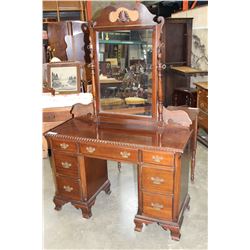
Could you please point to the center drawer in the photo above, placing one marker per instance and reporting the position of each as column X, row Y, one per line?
column 116, row 153
column 157, row 180
column 66, row 164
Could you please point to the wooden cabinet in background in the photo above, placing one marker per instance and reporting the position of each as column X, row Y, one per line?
column 176, row 56
column 185, row 96
column 177, row 39
column 202, row 104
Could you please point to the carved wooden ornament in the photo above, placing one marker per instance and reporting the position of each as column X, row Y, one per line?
column 123, row 15
column 176, row 116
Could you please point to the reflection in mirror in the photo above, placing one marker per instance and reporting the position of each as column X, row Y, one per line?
column 125, row 71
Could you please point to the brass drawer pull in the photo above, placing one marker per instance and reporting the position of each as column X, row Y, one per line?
column 68, row 188
column 90, row 149
column 66, row 165
column 157, row 180
column 156, row 206
column 125, row 154
column 157, row 158
column 64, row 145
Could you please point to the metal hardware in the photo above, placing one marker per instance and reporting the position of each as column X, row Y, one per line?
column 157, row 180
column 125, row 154
column 66, row 165
column 64, row 145
column 68, row 188
column 157, row 158
column 156, row 206
column 90, row 149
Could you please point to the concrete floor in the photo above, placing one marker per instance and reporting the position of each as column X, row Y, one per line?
column 111, row 225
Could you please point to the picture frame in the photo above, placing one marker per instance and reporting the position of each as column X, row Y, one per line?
column 64, row 77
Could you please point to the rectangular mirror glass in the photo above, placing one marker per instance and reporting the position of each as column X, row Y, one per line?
column 125, row 71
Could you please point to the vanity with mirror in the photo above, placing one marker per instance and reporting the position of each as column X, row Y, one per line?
column 125, row 123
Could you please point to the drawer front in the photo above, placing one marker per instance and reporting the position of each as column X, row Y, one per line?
column 158, row 158
column 159, row 206
column 68, row 187
column 203, row 100
column 157, row 180
column 64, row 145
column 115, row 153
column 66, row 165
column 203, row 120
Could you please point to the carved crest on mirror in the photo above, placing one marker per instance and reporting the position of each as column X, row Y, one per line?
column 123, row 15
column 126, row 68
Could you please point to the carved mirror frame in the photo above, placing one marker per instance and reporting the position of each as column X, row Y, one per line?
column 123, row 17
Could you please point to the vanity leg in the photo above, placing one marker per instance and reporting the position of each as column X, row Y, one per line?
column 194, row 147
column 86, row 210
column 107, row 189
column 59, row 203
column 119, row 165
column 174, row 231
column 138, row 225
column 175, row 234
column 193, row 165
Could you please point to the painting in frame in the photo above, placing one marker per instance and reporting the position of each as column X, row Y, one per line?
column 64, row 77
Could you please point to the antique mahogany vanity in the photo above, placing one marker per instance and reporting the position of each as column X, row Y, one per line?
column 133, row 130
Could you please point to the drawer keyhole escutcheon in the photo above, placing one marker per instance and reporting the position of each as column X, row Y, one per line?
column 156, row 206
column 90, row 149
column 64, row 145
column 157, row 180
column 125, row 154
column 157, row 158
column 68, row 188
column 66, row 165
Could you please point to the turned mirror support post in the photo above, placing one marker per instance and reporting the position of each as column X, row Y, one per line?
column 160, row 20
column 92, row 65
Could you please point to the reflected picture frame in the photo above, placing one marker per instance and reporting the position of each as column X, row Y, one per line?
column 64, row 77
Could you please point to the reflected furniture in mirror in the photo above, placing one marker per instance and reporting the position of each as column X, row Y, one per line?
column 125, row 125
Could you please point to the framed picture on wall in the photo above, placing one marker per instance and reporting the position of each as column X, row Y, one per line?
column 64, row 77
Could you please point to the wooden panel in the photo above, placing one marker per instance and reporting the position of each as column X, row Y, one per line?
column 203, row 120
column 56, row 116
column 49, row 5
column 69, row 5
column 158, row 206
column 203, row 100
column 56, row 39
column 158, row 158
column 66, row 164
column 95, row 176
column 176, row 44
column 116, row 153
column 68, row 187
column 64, row 145
column 157, row 180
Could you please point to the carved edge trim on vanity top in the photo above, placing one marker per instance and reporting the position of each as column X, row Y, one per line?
column 121, row 144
